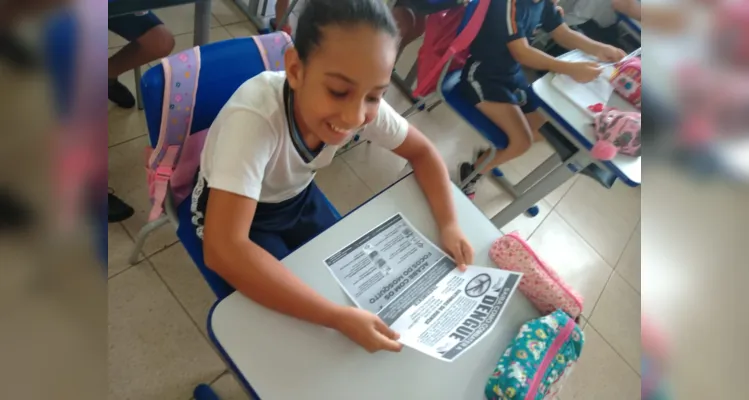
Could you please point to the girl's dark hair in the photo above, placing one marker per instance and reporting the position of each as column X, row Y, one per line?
column 318, row 14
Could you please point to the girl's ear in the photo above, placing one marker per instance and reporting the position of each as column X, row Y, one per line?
column 294, row 67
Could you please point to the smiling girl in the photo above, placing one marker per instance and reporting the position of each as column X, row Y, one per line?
column 277, row 130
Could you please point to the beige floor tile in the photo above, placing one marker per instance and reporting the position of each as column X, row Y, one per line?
column 575, row 261
column 226, row 12
column 558, row 194
column 537, row 154
column 600, row 374
column 629, row 265
column 492, row 198
column 181, row 19
column 115, row 40
column 155, row 350
column 617, row 318
column 342, row 187
column 125, row 124
column 227, row 388
column 604, row 218
column 186, row 282
column 377, row 167
column 242, row 29
column 119, row 245
column 128, row 178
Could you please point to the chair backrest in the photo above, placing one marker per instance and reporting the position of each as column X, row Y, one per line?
column 447, row 37
column 224, row 66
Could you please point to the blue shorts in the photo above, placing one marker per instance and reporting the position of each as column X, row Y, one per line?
column 479, row 82
column 133, row 26
column 281, row 228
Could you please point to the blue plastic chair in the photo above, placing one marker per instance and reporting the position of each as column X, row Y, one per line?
column 224, row 67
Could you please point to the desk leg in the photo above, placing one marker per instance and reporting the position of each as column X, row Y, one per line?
column 202, row 26
column 534, row 194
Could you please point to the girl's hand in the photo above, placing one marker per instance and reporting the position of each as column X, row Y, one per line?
column 607, row 53
column 457, row 246
column 583, row 72
column 367, row 330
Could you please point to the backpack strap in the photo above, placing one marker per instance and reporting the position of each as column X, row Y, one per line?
column 272, row 48
column 181, row 72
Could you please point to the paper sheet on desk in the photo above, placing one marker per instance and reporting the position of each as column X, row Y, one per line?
column 413, row 286
column 584, row 94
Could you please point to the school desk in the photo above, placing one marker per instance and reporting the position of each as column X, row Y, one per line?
column 278, row 357
column 572, row 154
column 202, row 13
column 576, row 125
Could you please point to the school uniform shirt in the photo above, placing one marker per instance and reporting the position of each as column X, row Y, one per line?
column 507, row 21
column 251, row 151
column 578, row 12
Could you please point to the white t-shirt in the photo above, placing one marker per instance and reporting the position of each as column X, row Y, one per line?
column 249, row 148
column 578, row 12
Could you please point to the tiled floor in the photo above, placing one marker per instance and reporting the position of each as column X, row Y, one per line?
column 157, row 308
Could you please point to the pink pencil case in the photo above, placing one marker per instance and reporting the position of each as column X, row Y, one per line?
column 540, row 283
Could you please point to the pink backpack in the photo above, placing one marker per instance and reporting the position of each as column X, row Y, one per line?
column 176, row 157
column 616, row 132
column 540, row 283
column 443, row 39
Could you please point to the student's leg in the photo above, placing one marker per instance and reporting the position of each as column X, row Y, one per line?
column 149, row 40
column 316, row 216
column 535, row 121
column 505, row 102
column 410, row 24
column 281, row 7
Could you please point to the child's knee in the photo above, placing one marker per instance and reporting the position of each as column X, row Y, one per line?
column 520, row 144
column 159, row 42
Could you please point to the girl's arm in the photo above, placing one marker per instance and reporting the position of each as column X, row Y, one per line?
column 431, row 173
column 571, row 39
column 530, row 57
column 252, row 270
column 258, row 275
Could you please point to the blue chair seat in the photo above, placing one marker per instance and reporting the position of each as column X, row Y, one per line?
column 194, row 246
column 470, row 113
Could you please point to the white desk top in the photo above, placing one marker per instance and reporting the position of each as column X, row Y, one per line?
column 626, row 167
column 283, row 358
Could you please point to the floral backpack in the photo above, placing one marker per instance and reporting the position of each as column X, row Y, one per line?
column 616, row 132
column 175, row 159
column 539, row 358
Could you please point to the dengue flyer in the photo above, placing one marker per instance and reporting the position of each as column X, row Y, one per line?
column 415, row 288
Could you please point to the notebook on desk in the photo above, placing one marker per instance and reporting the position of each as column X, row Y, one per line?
column 584, row 94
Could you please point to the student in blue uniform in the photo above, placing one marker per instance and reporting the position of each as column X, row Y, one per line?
column 148, row 39
column 279, row 128
column 493, row 79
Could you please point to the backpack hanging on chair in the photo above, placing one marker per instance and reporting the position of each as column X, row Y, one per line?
column 448, row 34
column 175, row 159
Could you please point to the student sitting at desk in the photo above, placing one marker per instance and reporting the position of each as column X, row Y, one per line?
column 277, row 130
column 493, row 80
